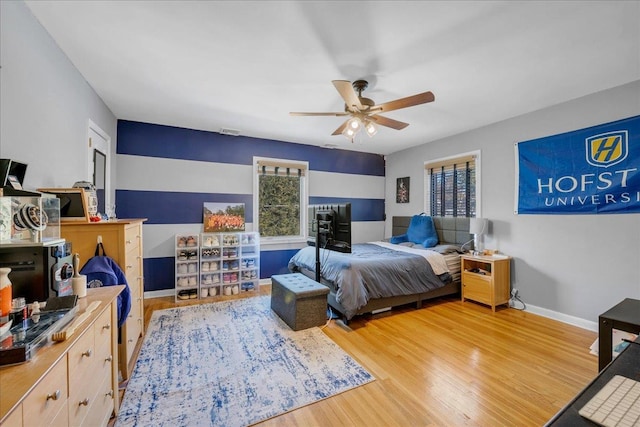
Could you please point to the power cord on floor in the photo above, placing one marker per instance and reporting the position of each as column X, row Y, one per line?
column 329, row 318
column 516, row 298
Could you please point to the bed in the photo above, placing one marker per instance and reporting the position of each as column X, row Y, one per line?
column 359, row 282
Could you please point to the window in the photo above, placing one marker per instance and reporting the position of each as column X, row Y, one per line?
column 452, row 186
column 280, row 198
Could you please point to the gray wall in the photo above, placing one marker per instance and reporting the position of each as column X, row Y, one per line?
column 570, row 267
column 45, row 105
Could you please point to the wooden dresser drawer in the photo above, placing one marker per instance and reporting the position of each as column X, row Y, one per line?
column 134, row 329
column 49, row 396
column 132, row 265
column 14, row 419
column 102, row 405
column 132, row 238
column 60, row 420
column 81, row 361
column 102, row 335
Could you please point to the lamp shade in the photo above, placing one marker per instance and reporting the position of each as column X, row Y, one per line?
column 478, row 225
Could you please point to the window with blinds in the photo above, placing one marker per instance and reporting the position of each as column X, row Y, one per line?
column 451, row 187
column 280, row 198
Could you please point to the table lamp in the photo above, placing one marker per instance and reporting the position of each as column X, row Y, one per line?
column 478, row 227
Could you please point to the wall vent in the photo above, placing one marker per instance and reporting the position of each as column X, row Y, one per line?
column 232, row 132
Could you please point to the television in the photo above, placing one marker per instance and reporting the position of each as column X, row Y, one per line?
column 330, row 227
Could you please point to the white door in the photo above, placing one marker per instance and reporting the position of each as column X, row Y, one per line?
column 99, row 173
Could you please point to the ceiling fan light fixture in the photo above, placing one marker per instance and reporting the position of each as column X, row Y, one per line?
column 370, row 128
column 355, row 124
column 348, row 132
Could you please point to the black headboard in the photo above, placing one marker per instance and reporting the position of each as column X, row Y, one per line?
column 450, row 230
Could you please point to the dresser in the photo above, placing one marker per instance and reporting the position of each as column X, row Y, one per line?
column 122, row 241
column 68, row 383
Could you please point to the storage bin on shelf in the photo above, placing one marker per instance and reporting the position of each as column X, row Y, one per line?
column 230, row 264
column 210, row 265
column 187, row 267
column 29, row 220
column 249, row 262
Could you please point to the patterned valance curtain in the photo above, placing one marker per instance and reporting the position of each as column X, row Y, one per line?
column 450, row 164
column 270, row 167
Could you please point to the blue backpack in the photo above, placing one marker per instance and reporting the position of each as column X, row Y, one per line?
column 104, row 271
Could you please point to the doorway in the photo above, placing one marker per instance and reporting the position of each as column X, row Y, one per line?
column 99, row 173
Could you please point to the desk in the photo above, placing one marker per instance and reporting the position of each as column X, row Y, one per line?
column 625, row 317
column 626, row 364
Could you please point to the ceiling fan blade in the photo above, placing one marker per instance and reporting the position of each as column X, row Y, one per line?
column 318, row 114
column 409, row 101
column 347, row 93
column 340, row 129
column 390, row 123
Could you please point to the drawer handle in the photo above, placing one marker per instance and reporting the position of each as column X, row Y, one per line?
column 109, row 393
column 128, row 242
column 84, row 402
column 129, row 266
column 107, row 326
column 109, row 358
column 54, row 396
column 87, row 353
column 130, row 341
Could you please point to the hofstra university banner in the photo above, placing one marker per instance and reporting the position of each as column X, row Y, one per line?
column 588, row 171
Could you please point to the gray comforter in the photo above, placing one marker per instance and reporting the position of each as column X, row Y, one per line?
column 370, row 271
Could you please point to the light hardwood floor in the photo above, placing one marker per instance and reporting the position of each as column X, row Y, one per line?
column 450, row 363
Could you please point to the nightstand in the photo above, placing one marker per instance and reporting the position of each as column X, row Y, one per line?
column 486, row 279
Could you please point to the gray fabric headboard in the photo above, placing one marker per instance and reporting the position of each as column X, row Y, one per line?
column 450, row 230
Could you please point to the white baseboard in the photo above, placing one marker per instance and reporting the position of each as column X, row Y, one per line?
column 561, row 317
column 565, row 318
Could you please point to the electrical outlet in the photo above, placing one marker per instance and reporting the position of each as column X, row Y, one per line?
column 514, row 293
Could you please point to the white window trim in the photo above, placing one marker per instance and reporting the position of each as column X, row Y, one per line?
column 304, row 200
column 478, row 165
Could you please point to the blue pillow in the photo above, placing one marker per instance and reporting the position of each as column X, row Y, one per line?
column 422, row 231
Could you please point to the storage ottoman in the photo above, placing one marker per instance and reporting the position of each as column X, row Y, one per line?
column 298, row 300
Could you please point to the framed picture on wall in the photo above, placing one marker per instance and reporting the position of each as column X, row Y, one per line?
column 220, row 217
column 402, row 190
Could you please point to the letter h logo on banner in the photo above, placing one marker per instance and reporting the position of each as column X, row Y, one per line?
column 607, row 149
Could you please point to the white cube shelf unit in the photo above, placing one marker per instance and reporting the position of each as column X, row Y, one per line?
column 229, row 263
column 186, row 274
column 217, row 264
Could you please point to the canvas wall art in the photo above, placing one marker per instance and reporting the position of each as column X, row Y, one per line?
column 221, row 217
column 402, row 190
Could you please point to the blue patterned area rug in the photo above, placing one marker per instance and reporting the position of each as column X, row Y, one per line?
column 232, row 363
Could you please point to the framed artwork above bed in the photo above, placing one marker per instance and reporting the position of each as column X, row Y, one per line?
column 402, row 190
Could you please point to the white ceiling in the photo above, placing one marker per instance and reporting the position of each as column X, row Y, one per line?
column 246, row 64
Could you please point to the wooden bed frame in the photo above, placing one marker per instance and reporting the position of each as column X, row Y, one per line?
column 450, row 230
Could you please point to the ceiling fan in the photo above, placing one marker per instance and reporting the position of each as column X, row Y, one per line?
column 364, row 112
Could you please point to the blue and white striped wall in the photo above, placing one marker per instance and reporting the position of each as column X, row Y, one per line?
column 166, row 173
